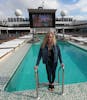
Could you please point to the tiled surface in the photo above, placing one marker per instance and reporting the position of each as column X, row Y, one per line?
column 71, row 92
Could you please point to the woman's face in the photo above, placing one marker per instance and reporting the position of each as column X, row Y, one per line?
column 50, row 38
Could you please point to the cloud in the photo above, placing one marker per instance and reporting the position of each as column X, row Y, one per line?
column 84, row 9
column 77, row 9
column 52, row 4
column 2, row 15
column 80, row 17
column 8, row 7
column 83, row 6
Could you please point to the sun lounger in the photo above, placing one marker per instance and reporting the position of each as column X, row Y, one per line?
column 85, row 42
column 6, row 47
column 4, row 52
column 26, row 37
column 11, row 44
column 79, row 39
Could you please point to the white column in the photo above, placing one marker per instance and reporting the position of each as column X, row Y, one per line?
column 63, row 32
column 0, row 32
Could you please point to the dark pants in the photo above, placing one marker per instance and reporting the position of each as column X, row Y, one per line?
column 51, row 70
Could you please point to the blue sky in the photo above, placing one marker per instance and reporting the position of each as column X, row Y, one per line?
column 72, row 8
column 68, row 2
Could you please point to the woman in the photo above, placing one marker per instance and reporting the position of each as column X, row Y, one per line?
column 49, row 52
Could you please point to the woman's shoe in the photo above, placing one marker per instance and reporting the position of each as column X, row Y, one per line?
column 49, row 87
column 52, row 87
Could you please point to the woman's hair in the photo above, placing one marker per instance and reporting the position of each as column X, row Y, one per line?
column 46, row 39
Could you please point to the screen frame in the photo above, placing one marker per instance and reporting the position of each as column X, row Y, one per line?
column 42, row 14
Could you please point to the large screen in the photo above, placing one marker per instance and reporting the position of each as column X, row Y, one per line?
column 42, row 20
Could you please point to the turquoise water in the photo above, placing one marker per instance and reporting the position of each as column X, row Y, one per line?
column 75, row 60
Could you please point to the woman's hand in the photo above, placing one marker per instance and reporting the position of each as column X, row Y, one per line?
column 62, row 65
column 36, row 67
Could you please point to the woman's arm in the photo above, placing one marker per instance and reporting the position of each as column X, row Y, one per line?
column 39, row 57
column 60, row 57
column 59, row 54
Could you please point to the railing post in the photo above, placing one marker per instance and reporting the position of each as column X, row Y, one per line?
column 37, row 82
column 59, row 74
column 62, row 80
column 58, row 78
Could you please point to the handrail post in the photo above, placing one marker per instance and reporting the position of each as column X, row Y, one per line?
column 62, row 80
column 59, row 74
column 58, row 78
column 37, row 82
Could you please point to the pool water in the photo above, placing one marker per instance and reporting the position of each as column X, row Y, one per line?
column 74, row 59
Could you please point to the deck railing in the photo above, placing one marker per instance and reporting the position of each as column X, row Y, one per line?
column 37, row 79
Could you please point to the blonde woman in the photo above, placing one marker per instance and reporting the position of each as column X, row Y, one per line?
column 49, row 52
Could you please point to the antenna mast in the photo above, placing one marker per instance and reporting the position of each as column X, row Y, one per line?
column 42, row 4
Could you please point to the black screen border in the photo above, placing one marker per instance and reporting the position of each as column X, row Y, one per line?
column 31, row 20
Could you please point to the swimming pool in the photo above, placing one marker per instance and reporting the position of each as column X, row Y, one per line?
column 74, row 58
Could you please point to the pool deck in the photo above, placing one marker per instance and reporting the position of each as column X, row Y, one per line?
column 8, row 66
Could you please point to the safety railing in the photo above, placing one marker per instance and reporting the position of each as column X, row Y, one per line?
column 37, row 79
column 62, row 77
column 37, row 82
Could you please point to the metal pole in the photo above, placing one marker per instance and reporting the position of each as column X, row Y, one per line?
column 63, row 32
column 59, row 75
column 62, row 80
column 63, row 27
column 37, row 82
column 0, row 31
column 58, row 78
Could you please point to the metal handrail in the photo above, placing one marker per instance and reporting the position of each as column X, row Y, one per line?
column 37, row 82
column 37, row 79
column 62, row 77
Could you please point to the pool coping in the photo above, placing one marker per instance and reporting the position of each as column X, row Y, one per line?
column 78, row 45
column 22, row 50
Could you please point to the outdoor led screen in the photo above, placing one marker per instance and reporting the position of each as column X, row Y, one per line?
column 42, row 20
